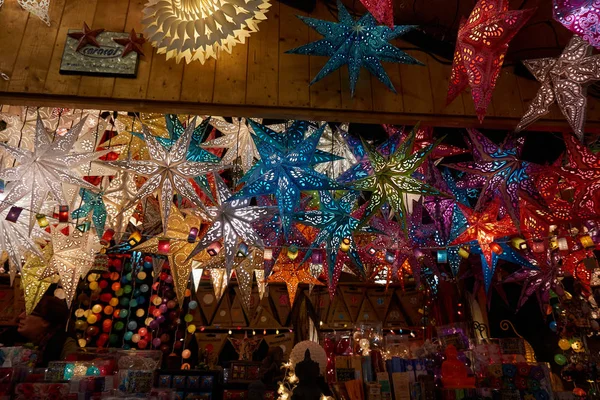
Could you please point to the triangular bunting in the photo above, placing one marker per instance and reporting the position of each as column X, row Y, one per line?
column 264, row 316
column 208, row 302
column 223, row 314
column 380, row 300
column 410, row 302
column 252, row 304
column 367, row 313
column 218, row 277
column 395, row 318
column 320, row 301
column 197, row 277
column 281, row 300
column 261, row 282
column 283, row 340
column 353, row 297
column 339, row 317
column 237, row 313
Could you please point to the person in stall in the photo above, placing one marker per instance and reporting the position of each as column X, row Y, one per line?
column 46, row 329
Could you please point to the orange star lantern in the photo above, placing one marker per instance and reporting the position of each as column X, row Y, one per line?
column 481, row 46
column 485, row 228
column 286, row 271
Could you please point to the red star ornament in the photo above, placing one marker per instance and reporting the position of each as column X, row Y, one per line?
column 132, row 43
column 86, row 37
column 382, row 10
column 423, row 139
column 286, row 271
column 485, row 228
column 481, row 46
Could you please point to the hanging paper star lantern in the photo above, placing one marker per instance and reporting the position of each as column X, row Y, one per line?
column 334, row 142
column 237, row 140
column 485, row 227
column 285, row 168
column 244, row 273
column 219, row 279
column 195, row 152
column 573, row 264
column 583, row 171
column 119, row 193
column 287, row 272
column 44, row 170
column 72, row 257
column 177, row 231
column 167, row 171
column 231, row 221
column 129, row 141
column 424, row 138
column 260, row 282
column 564, row 81
column 382, row 10
column 92, row 202
column 390, row 178
column 245, row 347
column 481, row 46
column 358, row 44
column 501, row 171
column 34, row 286
column 200, row 30
column 580, row 17
column 337, row 224
column 39, row 8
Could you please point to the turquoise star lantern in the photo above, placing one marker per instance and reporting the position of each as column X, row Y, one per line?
column 92, row 202
column 361, row 43
column 286, row 167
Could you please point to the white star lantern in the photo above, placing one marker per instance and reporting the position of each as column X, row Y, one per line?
column 237, row 140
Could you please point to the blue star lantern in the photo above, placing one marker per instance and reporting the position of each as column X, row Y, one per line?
column 360, row 43
column 92, row 202
column 286, row 167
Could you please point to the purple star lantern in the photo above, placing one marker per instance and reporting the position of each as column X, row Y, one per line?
column 581, row 17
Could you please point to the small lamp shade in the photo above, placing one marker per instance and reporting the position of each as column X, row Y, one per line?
column 135, row 238
column 63, row 213
column 193, row 235
column 518, row 243
column 496, row 248
column 345, row 245
column 242, row 250
column 42, row 220
column 268, row 254
column 214, row 248
column 586, row 241
column 292, row 252
column 164, row 245
column 563, row 244
column 13, row 214
column 107, row 237
column 463, row 252
column 442, row 256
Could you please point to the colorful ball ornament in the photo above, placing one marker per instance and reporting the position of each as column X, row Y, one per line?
column 128, row 335
column 139, row 313
column 552, row 326
column 157, row 301
column 191, row 328
column 188, row 318
column 119, row 326
column 123, row 313
column 132, row 325
column 108, row 310
column 143, row 343
column 135, row 338
column 144, row 288
column 92, row 319
column 193, row 305
column 141, row 275
column 94, row 286
column 564, row 344
column 186, row 354
column 115, row 286
column 143, row 331
column 114, row 302
column 97, row 309
column 79, row 312
column 560, row 359
column 156, row 342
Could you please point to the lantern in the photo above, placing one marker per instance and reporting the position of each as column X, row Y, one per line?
column 164, row 245
column 463, row 252
column 107, row 237
column 63, row 213
column 390, row 256
column 372, row 251
column 586, row 241
column 42, row 220
column 192, row 235
column 214, row 248
column 292, row 252
column 442, row 256
column 562, row 244
column 518, row 243
column 317, row 258
column 345, row 245
column 496, row 248
column 13, row 214
column 538, row 246
column 242, row 250
column 268, row 254
column 135, row 238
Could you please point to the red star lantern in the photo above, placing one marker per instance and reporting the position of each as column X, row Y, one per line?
column 86, row 36
column 423, row 139
column 573, row 263
column 485, row 228
column 285, row 271
column 132, row 43
column 382, row 10
column 481, row 46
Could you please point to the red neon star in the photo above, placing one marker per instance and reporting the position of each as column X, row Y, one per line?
column 86, row 37
column 132, row 43
column 485, row 227
column 481, row 46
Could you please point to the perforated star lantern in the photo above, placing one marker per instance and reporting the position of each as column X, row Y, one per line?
column 334, row 141
column 44, row 170
column 390, row 178
column 128, row 141
column 484, row 227
column 481, row 46
column 72, row 257
column 232, row 223
column 168, row 172
column 178, row 255
column 203, row 28
column 237, row 139
column 92, row 202
column 564, row 81
column 287, row 272
column 580, row 17
column 118, row 194
column 33, row 284
column 285, row 168
column 539, row 282
column 245, row 347
column 244, row 273
column 424, row 138
column 502, row 173
column 337, row 224
column 357, row 44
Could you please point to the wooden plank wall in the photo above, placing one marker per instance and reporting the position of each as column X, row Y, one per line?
column 257, row 79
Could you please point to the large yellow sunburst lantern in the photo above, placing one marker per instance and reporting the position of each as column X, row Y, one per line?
column 199, row 29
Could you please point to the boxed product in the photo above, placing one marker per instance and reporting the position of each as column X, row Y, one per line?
column 41, row 391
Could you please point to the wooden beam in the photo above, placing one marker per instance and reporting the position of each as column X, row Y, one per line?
column 277, row 112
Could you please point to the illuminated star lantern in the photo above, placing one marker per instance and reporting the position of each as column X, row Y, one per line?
column 168, row 171
column 424, row 138
column 231, row 221
column 44, row 170
column 382, row 10
column 334, row 141
column 132, row 43
column 92, row 202
column 34, row 286
column 564, row 81
column 285, row 168
column 128, row 141
column 501, row 172
column 358, row 44
column 537, row 281
column 15, row 237
column 199, row 30
column 245, row 347
column 287, row 272
column 72, row 257
column 484, row 227
column 583, row 172
column 390, row 178
column 337, row 225
column 481, row 46
column 573, row 264
column 179, row 249
column 244, row 273
column 39, row 8
column 119, row 192
column 580, row 17
column 86, row 37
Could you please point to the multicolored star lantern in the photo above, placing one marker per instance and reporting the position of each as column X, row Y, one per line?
column 246, row 346
column 237, row 139
column 167, row 171
column 128, row 139
column 285, row 168
column 44, row 170
column 564, row 81
column 358, row 44
column 390, row 178
column 334, row 141
column 580, row 17
column 501, row 172
column 481, row 46
column 540, row 282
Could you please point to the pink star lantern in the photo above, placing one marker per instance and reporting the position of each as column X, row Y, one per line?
column 382, row 10
column 581, row 17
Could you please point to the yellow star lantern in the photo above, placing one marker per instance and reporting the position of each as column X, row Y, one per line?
column 132, row 145
column 178, row 231
column 286, row 271
column 34, row 286
column 199, row 29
